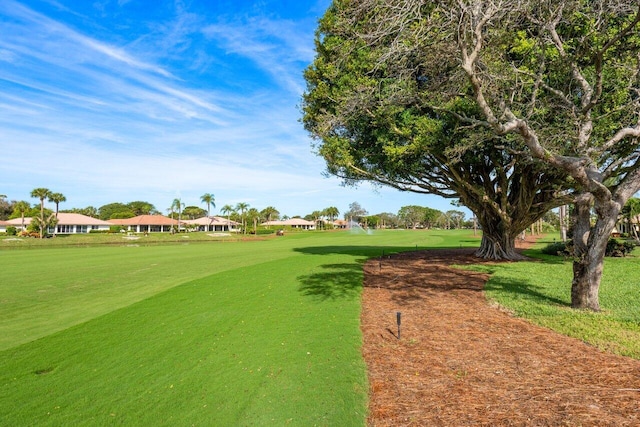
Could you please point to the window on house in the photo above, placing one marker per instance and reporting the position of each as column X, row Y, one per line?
column 65, row 229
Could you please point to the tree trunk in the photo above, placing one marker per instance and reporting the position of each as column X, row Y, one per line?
column 587, row 274
column 499, row 234
column 563, row 224
column 498, row 247
column 498, row 239
column 590, row 245
column 41, row 218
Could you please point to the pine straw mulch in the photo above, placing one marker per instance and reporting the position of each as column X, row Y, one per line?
column 461, row 361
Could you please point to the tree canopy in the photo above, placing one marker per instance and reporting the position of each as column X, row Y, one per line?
column 6, row 207
column 375, row 106
column 125, row 210
column 194, row 212
column 355, row 212
column 547, row 92
column 210, row 200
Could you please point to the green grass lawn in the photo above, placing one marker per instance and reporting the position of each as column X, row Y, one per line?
column 117, row 239
column 202, row 333
column 541, row 292
column 229, row 332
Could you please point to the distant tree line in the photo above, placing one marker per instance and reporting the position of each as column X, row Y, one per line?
column 409, row 217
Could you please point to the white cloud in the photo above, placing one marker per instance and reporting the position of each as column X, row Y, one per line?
column 161, row 113
column 279, row 48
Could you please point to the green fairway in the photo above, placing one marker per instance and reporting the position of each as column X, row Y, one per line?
column 219, row 333
column 230, row 332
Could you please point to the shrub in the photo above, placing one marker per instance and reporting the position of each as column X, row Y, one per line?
column 558, row 248
column 615, row 248
column 619, row 248
column 27, row 233
column 11, row 231
column 260, row 232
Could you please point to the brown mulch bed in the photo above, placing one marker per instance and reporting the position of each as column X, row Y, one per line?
column 461, row 361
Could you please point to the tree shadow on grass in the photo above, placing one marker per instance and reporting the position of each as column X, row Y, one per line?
column 538, row 256
column 523, row 289
column 336, row 281
column 359, row 251
column 368, row 251
column 344, row 280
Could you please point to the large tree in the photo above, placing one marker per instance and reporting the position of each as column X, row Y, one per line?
column 430, row 216
column 355, row 213
column 369, row 107
column 556, row 81
column 121, row 210
column 411, row 216
column 565, row 81
column 6, row 207
column 88, row 211
column 194, row 212
column 140, row 207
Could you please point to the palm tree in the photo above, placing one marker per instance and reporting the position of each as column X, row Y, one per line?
column 22, row 208
column 170, row 212
column 209, row 199
column 254, row 215
column 227, row 209
column 269, row 213
column 332, row 213
column 90, row 211
column 57, row 198
column 631, row 210
column 317, row 216
column 177, row 204
column 242, row 207
column 41, row 193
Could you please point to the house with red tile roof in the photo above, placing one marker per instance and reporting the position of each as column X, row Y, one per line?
column 293, row 223
column 147, row 223
column 213, row 223
column 68, row 223
column 74, row 223
column 339, row 223
column 17, row 223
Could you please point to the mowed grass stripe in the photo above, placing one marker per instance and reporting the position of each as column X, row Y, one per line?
column 47, row 290
column 242, row 347
column 269, row 337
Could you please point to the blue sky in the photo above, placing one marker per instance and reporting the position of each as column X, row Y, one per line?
column 121, row 100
